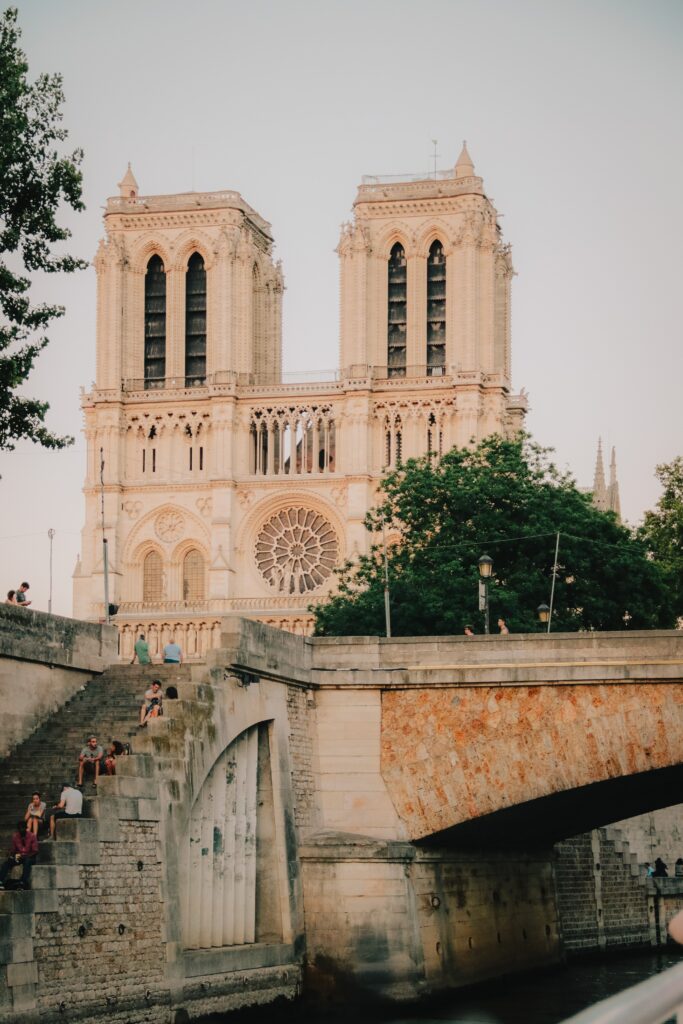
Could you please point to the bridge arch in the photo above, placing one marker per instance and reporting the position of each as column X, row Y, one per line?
column 519, row 763
column 228, row 820
column 229, row 891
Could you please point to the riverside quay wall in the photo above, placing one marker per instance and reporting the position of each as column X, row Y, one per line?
column 385, row 817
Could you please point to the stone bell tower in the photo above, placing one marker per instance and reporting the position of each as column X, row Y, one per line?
column 425, row 277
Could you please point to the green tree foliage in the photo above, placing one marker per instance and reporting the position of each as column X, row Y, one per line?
column 35, row 180
column 662, row 530
column 506, row 499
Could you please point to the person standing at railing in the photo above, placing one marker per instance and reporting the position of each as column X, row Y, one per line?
column 141, row 651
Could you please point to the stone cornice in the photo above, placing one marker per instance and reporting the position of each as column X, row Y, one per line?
column 427, row 189
column 186, row 203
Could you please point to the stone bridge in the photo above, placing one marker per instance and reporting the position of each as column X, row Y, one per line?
column 502, row 739
column 376, row 812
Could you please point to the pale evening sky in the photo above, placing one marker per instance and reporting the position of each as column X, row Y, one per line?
column 572, row 115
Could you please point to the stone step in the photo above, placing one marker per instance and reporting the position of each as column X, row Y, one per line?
column 55, row 876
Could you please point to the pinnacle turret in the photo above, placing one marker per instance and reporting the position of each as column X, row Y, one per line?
column 599, row 486
column 128, row 186
column 464, row 167
column 613, row 499
column 606, row 495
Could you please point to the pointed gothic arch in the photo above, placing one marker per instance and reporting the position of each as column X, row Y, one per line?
column 257, row 323
column 195, row 321
column 193, row 576
column 436, row 310
column 155, row 322
column 152, row 577
column 397, row 315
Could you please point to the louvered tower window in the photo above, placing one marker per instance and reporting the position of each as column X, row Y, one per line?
column 152, row 578
column 396, row 316
column 193, row 576
column 155, row 323
column 436, row 310
column 195, row 322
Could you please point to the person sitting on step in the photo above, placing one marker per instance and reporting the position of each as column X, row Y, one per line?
column 90, row 759
column 70, row 806
column 35, row 814
column 152, row 706
column 24, row 850
column 116, row 749
column 173, row 654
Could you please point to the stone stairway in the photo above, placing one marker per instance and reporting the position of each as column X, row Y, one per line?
column 108, row 707
column 603, row 893
column 63, row 909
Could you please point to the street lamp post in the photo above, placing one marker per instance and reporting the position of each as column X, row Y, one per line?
column 543, row 612
column 51, row 534
column 485, row 572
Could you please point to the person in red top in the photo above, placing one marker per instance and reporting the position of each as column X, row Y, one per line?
column 24, row 850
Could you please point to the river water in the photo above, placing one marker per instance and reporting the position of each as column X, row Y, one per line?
column 540, row 998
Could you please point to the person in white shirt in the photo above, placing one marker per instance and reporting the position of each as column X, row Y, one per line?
column 70, row 806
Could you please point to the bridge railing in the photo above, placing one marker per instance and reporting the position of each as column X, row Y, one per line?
column 655, row 1001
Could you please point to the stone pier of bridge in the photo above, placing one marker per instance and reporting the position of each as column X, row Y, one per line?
column 345, row 814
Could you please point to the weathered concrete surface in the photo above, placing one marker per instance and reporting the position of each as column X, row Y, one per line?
column 44, row 660
column 391, row 920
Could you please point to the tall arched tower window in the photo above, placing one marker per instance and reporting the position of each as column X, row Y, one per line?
column 195, row 322
column 152, row 578
column 396, row 312
column 257, row 339
column 193, row 576
column 436, row 310
column 155, row 323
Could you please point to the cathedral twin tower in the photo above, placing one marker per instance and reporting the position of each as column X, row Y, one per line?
column 228, row 491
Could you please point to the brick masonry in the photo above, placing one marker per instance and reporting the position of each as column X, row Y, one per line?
column 118, row 963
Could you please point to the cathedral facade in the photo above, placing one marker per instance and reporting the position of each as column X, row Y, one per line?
column 219, row 488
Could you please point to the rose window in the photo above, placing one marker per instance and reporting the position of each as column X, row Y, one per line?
column 296, row 550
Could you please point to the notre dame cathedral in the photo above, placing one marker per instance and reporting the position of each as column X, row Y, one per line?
column 226, row 490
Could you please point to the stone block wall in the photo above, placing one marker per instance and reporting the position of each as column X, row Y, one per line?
column 350, row 790
column 44, row 660
column 116, row 966
column 300, row 704
column 656, row 834
column 603, row 899
column 397, row 921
